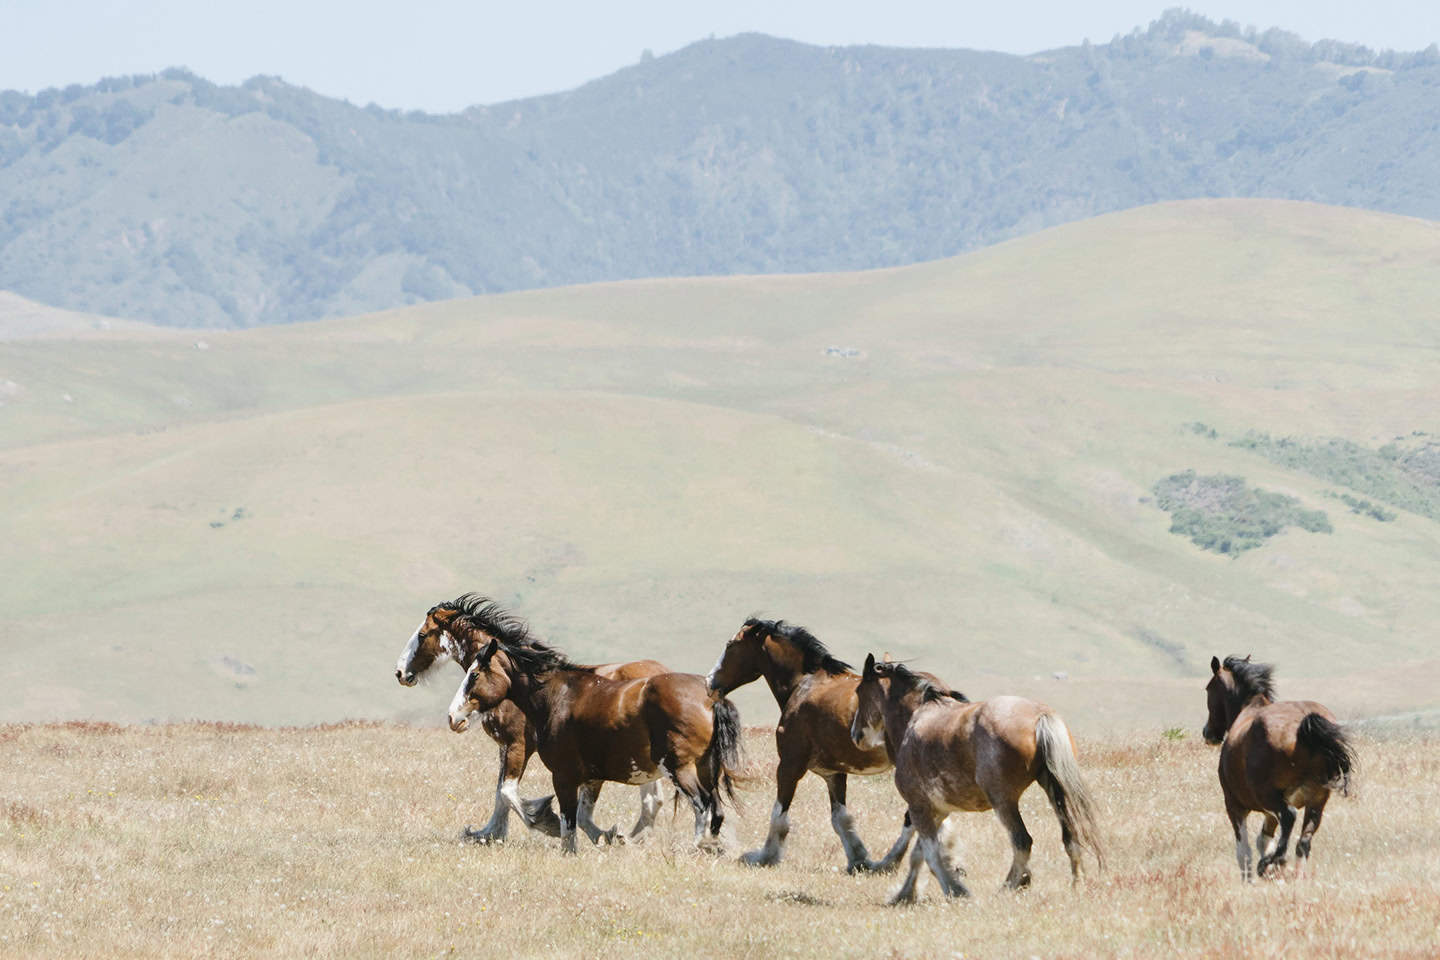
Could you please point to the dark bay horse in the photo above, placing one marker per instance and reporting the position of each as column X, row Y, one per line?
column 816, row 695
column 434, row 640
column 590, row 728
column 1274, row 757
column 953, row 755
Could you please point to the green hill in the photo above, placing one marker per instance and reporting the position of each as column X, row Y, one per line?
column 172, row 200
column 954, row 461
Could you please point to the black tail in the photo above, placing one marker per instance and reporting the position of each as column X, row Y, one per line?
column 1327, row 741
column 724, row 750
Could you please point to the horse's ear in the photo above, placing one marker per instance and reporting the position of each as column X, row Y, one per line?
column 1214, row 664
column 488, row 652
column 869, row 670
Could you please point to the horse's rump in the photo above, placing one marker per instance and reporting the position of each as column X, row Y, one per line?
column 1326, row 741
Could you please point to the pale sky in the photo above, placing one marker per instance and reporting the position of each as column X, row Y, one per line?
column 444, row 55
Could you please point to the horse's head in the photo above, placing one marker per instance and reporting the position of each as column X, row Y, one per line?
column 430, row 641
column 1231, row 683
column 867, row 728
column 486, row 683
column 740, row 661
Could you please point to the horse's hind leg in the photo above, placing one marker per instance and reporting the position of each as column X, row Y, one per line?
column 1008, row 810
column 1313, row 813
column 585, row 813
column 1286, row 813
column 892, row 859
column 1266, row 834
column 856, row 856
column 687, row 781
column 649, row 808
column 567, row 795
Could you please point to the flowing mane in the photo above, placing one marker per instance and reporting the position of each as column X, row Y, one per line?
column 930, row 691
column 477, row 614
column 816, row 655
column 1251, row 679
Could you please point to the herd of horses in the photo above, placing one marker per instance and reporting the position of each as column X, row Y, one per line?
column 640, row 723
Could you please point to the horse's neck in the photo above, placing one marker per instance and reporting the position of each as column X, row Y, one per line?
column 900, row 708
column 781, row 679
column 540, row 697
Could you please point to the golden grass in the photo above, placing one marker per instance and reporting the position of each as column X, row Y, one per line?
column 194, row 840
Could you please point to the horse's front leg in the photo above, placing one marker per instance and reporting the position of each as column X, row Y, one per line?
column 905, row 894
column 1266, row 834
column 787, row 776
column 499, row 826
column 585, row 813
column 857, row 858
column 939, row 857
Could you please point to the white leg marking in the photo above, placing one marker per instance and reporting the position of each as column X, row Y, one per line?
column 906, row 891
column 774, row 848
column 844, row 825
column 649, row 809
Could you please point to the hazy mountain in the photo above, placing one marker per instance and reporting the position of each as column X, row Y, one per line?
column 173, row 200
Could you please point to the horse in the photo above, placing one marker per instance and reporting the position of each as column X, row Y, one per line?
column 506, row 724
column 591, row 728
column 951, row 754
column 816, row 695
column 1274, row 757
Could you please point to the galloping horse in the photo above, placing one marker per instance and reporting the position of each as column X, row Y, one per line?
column 952, row 755
column 1274, row 757
column 591, row 729
column 506, row 724
column 816, row 694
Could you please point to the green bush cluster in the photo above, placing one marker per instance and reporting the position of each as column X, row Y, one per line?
column 1404, row 473
column 1222, row 513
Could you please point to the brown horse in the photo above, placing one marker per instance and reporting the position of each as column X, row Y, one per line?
column 1274, row 757
column 591, row 729
column 433, row 641
column 816, row 694
column 952, row 755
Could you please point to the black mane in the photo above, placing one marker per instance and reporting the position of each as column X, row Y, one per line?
column 816, row 656
column 528, row 653
column 930, row 691
column 1251, row 679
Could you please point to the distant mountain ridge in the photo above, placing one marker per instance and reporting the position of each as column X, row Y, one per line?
column 173, row 200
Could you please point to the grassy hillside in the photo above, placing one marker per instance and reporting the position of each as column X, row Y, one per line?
column 173, row 200
column 198, row 841
column 953, row 461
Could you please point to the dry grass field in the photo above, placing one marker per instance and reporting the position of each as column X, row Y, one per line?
column 206, row 840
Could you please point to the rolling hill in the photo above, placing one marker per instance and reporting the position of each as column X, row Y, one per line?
column 172, row 200
column 953, row 461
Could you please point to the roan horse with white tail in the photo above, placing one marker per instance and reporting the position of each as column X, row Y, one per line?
column 953, row 755
column 436, row 639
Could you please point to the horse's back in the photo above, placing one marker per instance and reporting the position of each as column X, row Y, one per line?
column 633, row 670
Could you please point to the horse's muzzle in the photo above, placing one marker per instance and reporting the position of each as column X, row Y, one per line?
column 1210, row 738
column 406, row 679
column 458, row 726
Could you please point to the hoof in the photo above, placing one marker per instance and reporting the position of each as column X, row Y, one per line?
column 481, row 836
column 757, row 858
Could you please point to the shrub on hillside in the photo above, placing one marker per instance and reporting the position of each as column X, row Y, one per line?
column 1222, row 513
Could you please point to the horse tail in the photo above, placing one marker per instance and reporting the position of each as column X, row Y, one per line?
column 1325, row 739
column 1059, row 776
column 723, row 754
